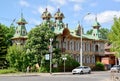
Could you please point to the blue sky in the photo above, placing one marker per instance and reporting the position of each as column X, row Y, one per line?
column 74, row 11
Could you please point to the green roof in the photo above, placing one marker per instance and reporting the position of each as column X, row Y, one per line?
column 96, row 24
column 21, row 20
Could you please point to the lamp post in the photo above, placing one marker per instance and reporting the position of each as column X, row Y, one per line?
column 64, row 58
column 51, row 49
column 81, row 63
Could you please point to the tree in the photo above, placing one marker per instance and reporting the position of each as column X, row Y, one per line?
column 114, row 37
column 3, row 46
column 16, row 57
column 5, row 41
column 38, row 42
column 103, row 31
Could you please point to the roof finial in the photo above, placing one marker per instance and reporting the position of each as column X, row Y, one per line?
column 21, row 13
column 96, row 18
column 58, row 9
column 46, row 9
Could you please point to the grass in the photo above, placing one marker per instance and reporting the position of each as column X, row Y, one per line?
column 6, row 71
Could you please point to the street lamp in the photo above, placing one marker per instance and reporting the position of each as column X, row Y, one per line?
column 64, row 58
column 51, row 49
column 81, row 39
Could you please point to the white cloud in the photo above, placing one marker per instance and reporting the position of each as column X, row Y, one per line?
column 41, row 9
column 34, row 21
column 77, row 1
column 104, row 17
column 117, row 0
column 60, row 2
column 24, row 3
column 77, row 7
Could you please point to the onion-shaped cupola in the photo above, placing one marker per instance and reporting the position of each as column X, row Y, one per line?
column 59, row 15
column 46, row 15
column 58, row 19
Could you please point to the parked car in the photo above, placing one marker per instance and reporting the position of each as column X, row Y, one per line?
column 81, row 70
column 115, row 68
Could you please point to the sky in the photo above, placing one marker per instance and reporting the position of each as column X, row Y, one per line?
column 75, row 11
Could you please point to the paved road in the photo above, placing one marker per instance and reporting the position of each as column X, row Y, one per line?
column 94, row 76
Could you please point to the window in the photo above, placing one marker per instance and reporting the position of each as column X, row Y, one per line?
column 96, row 48
column 93, row 59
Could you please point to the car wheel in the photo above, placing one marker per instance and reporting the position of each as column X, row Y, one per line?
column 73, row 73
column 81, row 72
column 89, row 72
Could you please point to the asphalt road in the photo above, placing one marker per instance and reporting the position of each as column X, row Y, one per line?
column 94, row 76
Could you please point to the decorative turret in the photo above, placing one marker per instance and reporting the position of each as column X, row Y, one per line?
column 58, row 15
column 46, row 16
column 96, row 27
column 96, row 24
column 21, row 21
column 58, row 19
column 78, row 30
column 20, row 35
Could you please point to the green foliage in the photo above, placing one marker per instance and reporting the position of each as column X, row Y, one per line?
column 70, row 63
column 5, row 41
column 90, row 32
column 16, row 57
column 99, row 66
column 37, row 44
column 3, row 44
column 114, row 36
column 6, row 71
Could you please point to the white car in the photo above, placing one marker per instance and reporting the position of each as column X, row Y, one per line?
column 115, row 68
column 81, row 70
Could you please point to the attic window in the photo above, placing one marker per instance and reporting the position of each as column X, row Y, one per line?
column 23, row 32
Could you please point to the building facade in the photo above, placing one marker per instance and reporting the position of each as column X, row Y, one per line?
column 69, row 41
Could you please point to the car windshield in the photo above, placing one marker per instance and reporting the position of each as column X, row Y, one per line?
column 80, row 67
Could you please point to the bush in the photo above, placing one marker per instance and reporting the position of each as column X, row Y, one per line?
column 99, row 67
column 70, row 64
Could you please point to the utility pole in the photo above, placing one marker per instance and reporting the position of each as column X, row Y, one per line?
column 51, row 50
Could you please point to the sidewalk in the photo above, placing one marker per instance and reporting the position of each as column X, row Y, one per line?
column 43, row 74
column 36, row 74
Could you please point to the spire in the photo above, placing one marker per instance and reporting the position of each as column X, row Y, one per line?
column 78, row 29
column 96, row 18
column 21, row 20
column 96, row 27
column 46, row 10
column 58, row 9
column 21, row 15
column 96, row 23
